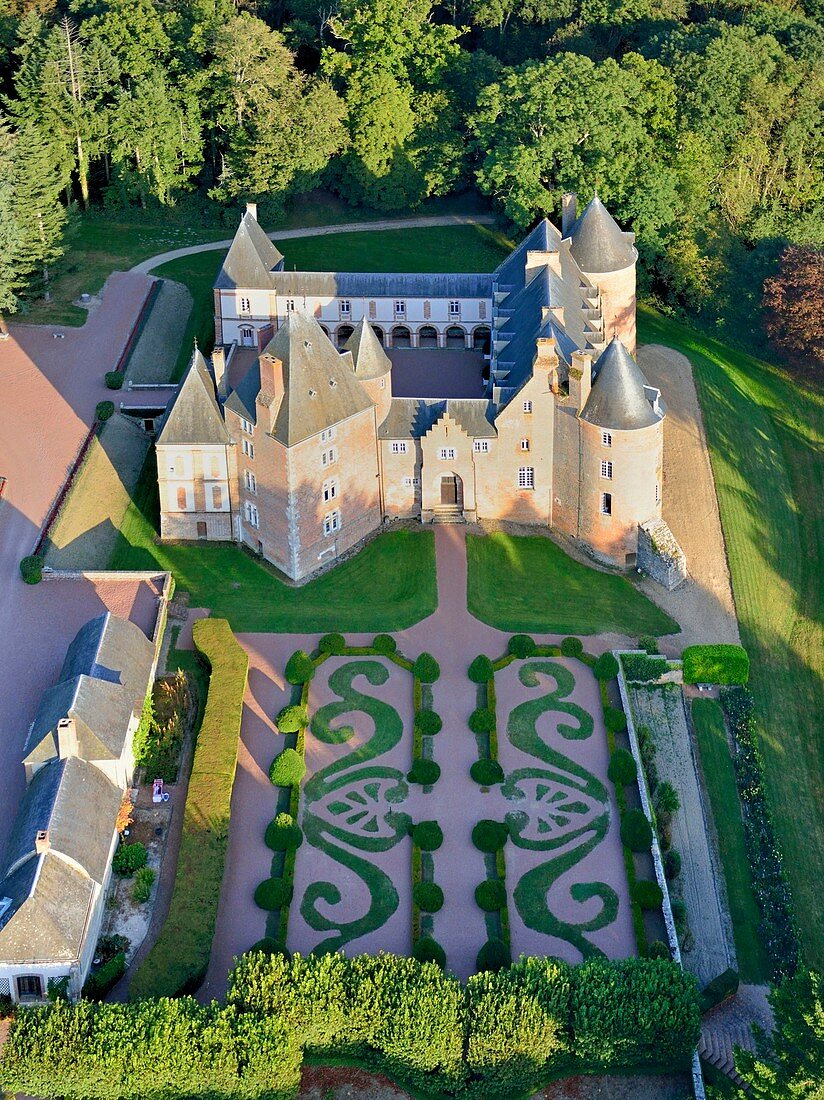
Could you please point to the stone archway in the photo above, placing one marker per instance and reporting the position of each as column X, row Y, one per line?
column 482, row 339
column 343, row 334
column 455, row 337
column 401, row 337
column 427, row 336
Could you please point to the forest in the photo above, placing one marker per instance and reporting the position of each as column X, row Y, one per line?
column 699, row 123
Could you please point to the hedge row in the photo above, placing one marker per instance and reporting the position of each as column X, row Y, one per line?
column 179, row 960
column 641, row 668
column 777, row 928
column 716, row 664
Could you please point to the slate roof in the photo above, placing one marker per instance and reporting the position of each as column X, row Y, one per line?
column 412, row 417
column 194, row 416
column 251, row 258
column 368, row 284
column 242, row 399
column 618, row 398
column 598, row 243
column 50, row 907
column 368, row 356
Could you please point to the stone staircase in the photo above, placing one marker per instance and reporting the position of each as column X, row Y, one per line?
column 728, row 1026
column 447, row 516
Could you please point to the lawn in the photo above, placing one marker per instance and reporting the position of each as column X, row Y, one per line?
column 719, row 778
column 765, row 434
column 389, row 585
column 528, row 583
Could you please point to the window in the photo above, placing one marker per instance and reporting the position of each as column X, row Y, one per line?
column 28, row 986
column 606, row 439
column 214, row 467
column 331, row 523
column 248, row 448
column 657, row 493
column 327, row 435
column 327, row 458
column 345, row 307
column 606, row 469
column 217, row 497
column 330, row 490
column 412, row 482
column 446, row 453
column 398, row 448
column 524, row 444
column 400, row 308
column 606, row 504
column 250, row 481
column 247, row 426
column 181, row 499
column 527, row 406
column 252, row 517
column 245, row 305
column 290, row 305
column 454, row 307
column 526, row 477
column 481, row 446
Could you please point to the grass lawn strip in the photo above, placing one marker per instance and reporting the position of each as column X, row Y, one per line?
column 179, row 960
column 526, row 583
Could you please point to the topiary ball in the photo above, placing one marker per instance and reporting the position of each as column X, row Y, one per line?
column 647, row 894
column 31, row 569
column 491, row 895
column 487, row 772
column 282, row 834
column 300, row 668
column 482, row 720
column 292, row 719
column 427, row 950
column 332, row 644
column 494, row 956
column 269, row 946
column 521, row 645
column 426, row 668
column 622, row 768
column 481, row 670
column 104, row 410
column 425, row 772
column 636, row 832
column 113, row 379
column 384, row 644
column 428, row 722
column 288, row 768
column 490, row 836
column 428, row 836
column 273, row 893
column 614, row 719
column 428, row 897
column 606, row 667
column 572, row 647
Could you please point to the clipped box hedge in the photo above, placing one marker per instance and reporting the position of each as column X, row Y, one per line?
column 716, row 664
column 178, row 961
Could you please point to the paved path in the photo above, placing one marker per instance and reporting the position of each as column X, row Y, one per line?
column 322, row 231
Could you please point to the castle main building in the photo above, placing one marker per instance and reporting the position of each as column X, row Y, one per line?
column 310, row 451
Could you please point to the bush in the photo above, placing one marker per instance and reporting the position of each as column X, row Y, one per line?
column 283, row 834
column 288, row 768
column 482, row 720
column 572, row 647
column 332, row 644
column 291, row 719
column 647, row 894
column 428, row 897
column 143, row 883
column 658, row 950
column 104, row 410
column 129, row 858
column 481, row 671
column 426, row 668
column 614, row 719
column 487, row 772
column 521, row 645
column 106, row 977
column 491, row 895
column 490, row 836
column 494, row 956
column 672, row 864
column 622, row 768
column 719, row 989
column 31, row 569
column 428, row 950
column 428, row 722
column 648, row 643
column 716, row 664
column 636, row 833
column 270, row 946
column 641, row 668
column 384, row 644
column 427, row 835
column 425, row 772
column 113, row 379
column 606, row 667
column 273, row 893
column 300, row 668
column 667, row 799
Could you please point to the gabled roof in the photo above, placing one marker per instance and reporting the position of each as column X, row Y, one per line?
column 194, row 416
column 618, row 398
column 251, row 258
column 378, row 284
column 47, row 919
column 598, row 243
column 320, row 387
column 368, row 356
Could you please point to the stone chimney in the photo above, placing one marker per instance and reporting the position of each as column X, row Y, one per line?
column 569, row 210
column 271, row 389
column 219, row 368
column 251, row 209
column 580, row 378
column 67, row 738
column 538, row 260
column 41, row 842
column 546, row 360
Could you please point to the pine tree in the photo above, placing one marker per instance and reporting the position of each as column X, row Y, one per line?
column 8, row 226
column 38, row 215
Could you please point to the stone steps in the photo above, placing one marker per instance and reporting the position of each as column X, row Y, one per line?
column 716, row 1046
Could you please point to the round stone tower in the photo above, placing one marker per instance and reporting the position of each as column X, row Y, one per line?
column 373, row 368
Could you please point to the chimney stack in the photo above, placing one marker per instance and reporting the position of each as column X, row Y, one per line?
column 67, row 738
column 42, row 842
column 580, row 378
column 569, row 210
column 251, row 209
column 271, row 389
column 219, row 368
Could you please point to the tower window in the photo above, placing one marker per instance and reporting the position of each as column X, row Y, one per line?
column 446, row 453
column 330, row 490
column 606, row 504
column 327, row 434
column 527, row 406
column 248, row 448
column 328, row 458
column 524, row 444
column 331, row 522
column 606, row 439
column 250, row 481
column 481, row 446
column 398, row 448
column 657, row 493
column 252, row 517
column 526, row 477
column 606, row 469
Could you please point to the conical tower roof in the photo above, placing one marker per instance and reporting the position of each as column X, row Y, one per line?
column 370, row 360
column 251, row 258
column 194, row 415
column 598, row 243
column 618, row 399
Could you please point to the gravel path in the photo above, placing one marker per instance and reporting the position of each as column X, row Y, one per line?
column 155, row 353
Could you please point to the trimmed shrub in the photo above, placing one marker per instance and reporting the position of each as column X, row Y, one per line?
column 622, row 768
column 636, row 832
column 31, row 569
column 129, row 858
column 521, row 645
column 106, row 977
column 300, row 668
column 384, row 644
column 716, row 664
column 428, row 722
column 482, row 720
column 491, row 895
column 658, row 950
column 113, row 379
column 614, row 719
column 428, row 950
column 667, row 799
column 288, row 768
column 647, row 894
column 143, row 883
column 104, row 410
column 490, row 836
column 428, row 897
column 426, row 668
column 672, row 864
column 292, row 719
column 572, row 647
column 428, row 836
column 650, row 644
column 493, row 956
column 606, row 667
column 270, row 946
column 425, row 772
column 719, row 989
column 283, row 834
column 641, row 668
column 273, row 893
column 487, row 772
column 332, row 644
column 480, row 671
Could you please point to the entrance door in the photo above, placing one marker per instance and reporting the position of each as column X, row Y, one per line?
column 449, row 491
